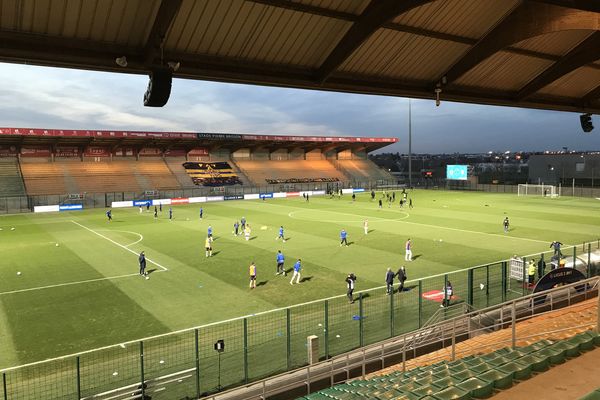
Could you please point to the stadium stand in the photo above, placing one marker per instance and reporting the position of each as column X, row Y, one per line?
column 11, row 181
column 175, row 165
column 478, row 374
column 43, row 178
column 362, row 169
column 213, row 173
column 289, row 171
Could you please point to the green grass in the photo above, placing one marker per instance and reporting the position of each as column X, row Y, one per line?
column 449, row 230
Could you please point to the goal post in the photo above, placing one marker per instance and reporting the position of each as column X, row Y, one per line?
column 526, row 189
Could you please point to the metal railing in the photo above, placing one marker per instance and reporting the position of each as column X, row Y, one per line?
column 398, row 350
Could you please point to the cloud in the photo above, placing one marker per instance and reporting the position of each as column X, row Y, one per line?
column 65, row 98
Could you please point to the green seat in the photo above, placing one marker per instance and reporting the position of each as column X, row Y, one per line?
column 519, row 370
column 500, row 380
column 497, row 360
column 556, row 355
column 390, row 395
column 425, row 390
column 452, row 392
column 457, row 366
column 595, row 395
column 586, row 341
column 425, row 380
column 538, row 362
column 460, row 376
column 317, row 396
column 477, row 388
column 571, row 348
column 480, row 368
column 443, row 382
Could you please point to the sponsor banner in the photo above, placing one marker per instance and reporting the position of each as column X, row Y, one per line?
column 6, row 151
column 71, row 207
column 279, row 195
column 124, row 152
column 215, row 198
column 66, row 151
column 197, row 199
column 175, row 153
column 253, row 196
column 235, row 197
column 121, row 204
column 347, row 191
column 150, row 152
column 39, row 209
column 318, row 192
column 35, row 151
column 138, row 203
column 157, row 202
column 266, row 195
column 198, row 151
column 96, row 151
column 360, row 190
column 293, row 194
column 180, row 200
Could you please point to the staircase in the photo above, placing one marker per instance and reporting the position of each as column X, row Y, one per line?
column 11, row 180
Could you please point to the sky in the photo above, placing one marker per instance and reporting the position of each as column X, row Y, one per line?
column 41, row 97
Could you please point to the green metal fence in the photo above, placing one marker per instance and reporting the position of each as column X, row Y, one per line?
column 185, row 364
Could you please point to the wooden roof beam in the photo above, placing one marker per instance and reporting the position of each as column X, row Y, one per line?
column 375, row 15
column 584, row 5
column 593, row 95
column 586, row 52
column 528, row 20
column 162, row 22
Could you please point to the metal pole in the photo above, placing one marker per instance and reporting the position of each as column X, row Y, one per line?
column 142, row 368
column 326, row 329
column 392, row 314
column 513, row 322
column 404, row 353
column 360, row 321
column 197, row 357
column 409, row 144
column 453, row 339
column 4, row 383
column 597, row 325
column 289, row 339
column 589, row 267
column 78, row 380
column 420, row 303
column 246, row 350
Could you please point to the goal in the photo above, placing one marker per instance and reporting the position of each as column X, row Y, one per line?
column 525, row 189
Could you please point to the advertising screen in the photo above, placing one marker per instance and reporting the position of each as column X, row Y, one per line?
column 457, row 172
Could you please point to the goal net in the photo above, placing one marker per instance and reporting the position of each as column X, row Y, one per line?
column 525, row 189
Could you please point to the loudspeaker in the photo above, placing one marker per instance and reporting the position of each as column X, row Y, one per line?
column 159, row 87
column 586, row 122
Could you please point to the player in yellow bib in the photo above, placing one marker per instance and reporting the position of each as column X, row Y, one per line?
column 208, row 246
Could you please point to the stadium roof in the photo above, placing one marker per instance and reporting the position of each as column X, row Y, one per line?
column 167, row 140
column 524, row 53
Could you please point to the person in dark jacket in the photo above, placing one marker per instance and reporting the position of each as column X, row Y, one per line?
column 350, row 279
column 389, row 281
column 142, row 261
column 401, row 274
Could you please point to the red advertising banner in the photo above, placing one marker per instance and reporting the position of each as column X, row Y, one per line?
column 124, row 152
column 90, row 133
column 8, row 151
column 35, row 151
column 175, row 153
column 198, row 151
column 66, row 151
column 96, row 151
column 180, row 200
column 150, row 152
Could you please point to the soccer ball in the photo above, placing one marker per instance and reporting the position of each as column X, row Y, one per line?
column 19, row 273
column 12, row 229
column 147, row 277
column 56, row 244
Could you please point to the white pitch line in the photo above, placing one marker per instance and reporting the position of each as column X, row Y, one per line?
column 118, row 244
column 141, row 237
column 68, row 284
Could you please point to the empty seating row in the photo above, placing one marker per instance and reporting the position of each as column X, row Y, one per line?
column 360, row 169
column 466, row 378
column 280, row 171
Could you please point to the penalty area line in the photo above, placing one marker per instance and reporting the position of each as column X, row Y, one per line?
column 69, row 283
column 118, row 244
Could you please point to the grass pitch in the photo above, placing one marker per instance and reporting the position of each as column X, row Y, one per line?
column 85, row 292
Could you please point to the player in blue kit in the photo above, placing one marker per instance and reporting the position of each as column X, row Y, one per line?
column 343, row 237
column 210, row 231
column 280, row 261
column 280, row 236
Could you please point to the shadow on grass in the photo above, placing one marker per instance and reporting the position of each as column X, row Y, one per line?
column 416, row 256
column 214, row 253
column 306, row 279
column 262, row 283
column 151, row 271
